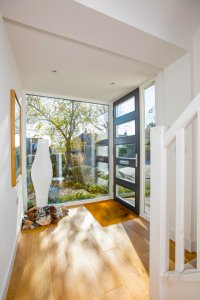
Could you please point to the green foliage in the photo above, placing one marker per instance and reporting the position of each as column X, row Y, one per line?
column 103, row 175
column 123, row 190
column 122, row 151
column 30, row 204
column 147, row 133
column 147, row 188
column 30, row 188
column 95, row 188
column 78, row 185
column 63, row 121
column 68, row 184
column 127, row 150
column 76, row 196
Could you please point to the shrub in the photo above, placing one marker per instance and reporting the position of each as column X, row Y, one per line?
column 147, row 188
column 95, row 188
column 78, row 185
column 102, row 175
column 76, row 196
column 68, row 184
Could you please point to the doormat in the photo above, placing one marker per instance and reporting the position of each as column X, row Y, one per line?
column 110, row 212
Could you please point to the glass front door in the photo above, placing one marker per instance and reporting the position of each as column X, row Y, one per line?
column 127, row 150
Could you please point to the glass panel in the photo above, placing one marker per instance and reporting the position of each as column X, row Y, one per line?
column 102, row 151
column 125, row 194
column 73, row 154
column 125, row 129
column 125, row 107
column 102, row 174
column 149, row 103
column 125, row 150
column 125, row 173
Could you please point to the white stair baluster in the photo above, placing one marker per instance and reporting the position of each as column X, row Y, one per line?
column 198, row 190
column 158, row 169
column 180, row 199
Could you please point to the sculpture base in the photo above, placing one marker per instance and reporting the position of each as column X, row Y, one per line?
column 36, row 217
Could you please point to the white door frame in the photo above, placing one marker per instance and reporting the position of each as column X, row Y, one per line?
column 142, row 147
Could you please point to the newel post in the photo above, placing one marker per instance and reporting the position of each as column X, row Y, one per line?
column 158, row 217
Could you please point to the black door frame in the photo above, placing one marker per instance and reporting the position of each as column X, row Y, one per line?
column 135, row 115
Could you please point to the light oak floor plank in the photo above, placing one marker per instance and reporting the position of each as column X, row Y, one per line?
column 136, row 283
column 119, row 236
column 63, row 281
column 106, row 275
column 120, row 293
column 77, row 260
column 19, row 284
column 40, row 264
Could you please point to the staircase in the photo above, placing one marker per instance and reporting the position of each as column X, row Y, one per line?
column 183, row 282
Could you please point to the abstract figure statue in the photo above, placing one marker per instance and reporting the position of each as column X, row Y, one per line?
column 42, row 173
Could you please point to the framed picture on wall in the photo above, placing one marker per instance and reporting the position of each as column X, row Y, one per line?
column 16, row 138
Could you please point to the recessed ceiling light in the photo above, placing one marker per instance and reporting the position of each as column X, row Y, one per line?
column 54, row 71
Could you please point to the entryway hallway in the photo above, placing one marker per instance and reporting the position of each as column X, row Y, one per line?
column 80, row 259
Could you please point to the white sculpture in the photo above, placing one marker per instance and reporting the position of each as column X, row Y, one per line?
column 42, row 173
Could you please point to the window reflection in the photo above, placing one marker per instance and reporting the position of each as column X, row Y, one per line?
column 125, row 107
column 125, row 173
column 125, row 150
column 125, row 129
column 125, row 194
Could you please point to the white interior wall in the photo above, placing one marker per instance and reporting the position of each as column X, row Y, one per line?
column 176, row 87
column 196, row 62
column 173, row 95
column 11, row 198
column 180, row 290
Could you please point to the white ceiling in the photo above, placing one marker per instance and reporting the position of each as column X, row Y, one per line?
column 87, row 48
column 83, row 71
column 174, row 21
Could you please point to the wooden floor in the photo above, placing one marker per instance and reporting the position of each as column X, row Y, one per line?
column 79, row 259
column 189, row 256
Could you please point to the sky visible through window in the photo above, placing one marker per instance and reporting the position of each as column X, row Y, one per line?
column 149, row 104
column 126, row 107
column 149, row 96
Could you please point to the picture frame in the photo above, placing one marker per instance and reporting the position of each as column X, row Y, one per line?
column 16, row 137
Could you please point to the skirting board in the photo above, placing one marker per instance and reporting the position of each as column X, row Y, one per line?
column 145, row 216
column 189, row 245
column 8, row 274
